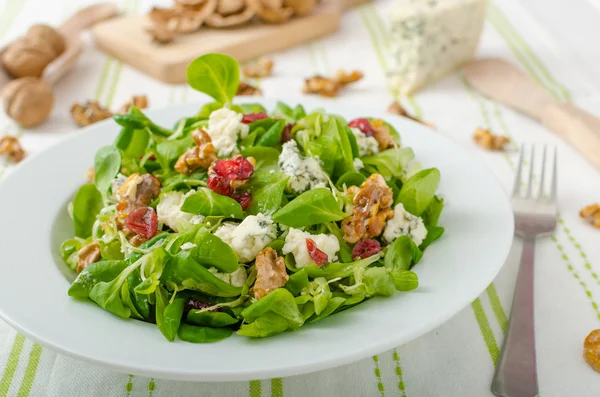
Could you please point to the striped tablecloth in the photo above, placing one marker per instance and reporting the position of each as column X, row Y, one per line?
column 552, row 41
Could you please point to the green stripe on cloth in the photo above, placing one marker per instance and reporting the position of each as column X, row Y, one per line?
column 10, row 15
column 486, row 331
column 30, row 371
column 103, row 76
column 114, row 84
column 396, row 357
column 277, row 387
column 507, row 30
column 497, row 307
column 255, row 388
column 11, row 364
column 151, row 386
column 574, row 273
column 129, row 386
column 377, row 372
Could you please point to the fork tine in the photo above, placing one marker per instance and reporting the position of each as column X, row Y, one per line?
column 517, row 183
column 540, row 195
column 552, row 195
column 530, row 178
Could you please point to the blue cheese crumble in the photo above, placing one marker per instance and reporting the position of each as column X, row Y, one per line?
column 367, row 145
column 169, row 212
column 295, row 243
column 250, row 237
column 305, row 173
column 405, row 224
column 236, row 279
column 225, row 127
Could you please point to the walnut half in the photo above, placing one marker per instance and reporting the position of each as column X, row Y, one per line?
column 89, row 113
column 330, row 87
column 245, row 89
column 270, row 273
column 372, row 207
column 11, row 147
column 200, row 156
column 489, row 141
column 88, row 255
column 591, row 214
column 260, row 68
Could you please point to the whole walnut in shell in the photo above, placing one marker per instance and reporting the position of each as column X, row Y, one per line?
column 48, row 35
column 26, row 57
column 28, row 101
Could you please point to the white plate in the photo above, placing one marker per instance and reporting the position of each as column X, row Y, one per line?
column 33, row 286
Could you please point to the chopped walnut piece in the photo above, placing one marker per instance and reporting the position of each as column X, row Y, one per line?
column 489, row 141
column 162, row 33
column 396, row 108
column 591, row 350
column 372, row 207
column 330, row 87
column 261, row 68
column 382, row 135
column 270, row 272
column 343, row 78
column 591, row 214
column 245, row 89
column 200, row 156
column 321, row 85
column 136, row 192
column 11, row 147
column 89, row 113
column 91, row 175
column 88, row 255
column 139, row 101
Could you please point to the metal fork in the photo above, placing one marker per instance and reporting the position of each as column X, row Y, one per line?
column 535, row 216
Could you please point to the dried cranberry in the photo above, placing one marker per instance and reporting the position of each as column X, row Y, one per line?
column 363, row 125
column 286, row 135
column 219, row 184
column 143, row 221
column 365, row 248
column 245, row 199
column 237, row 168
column 197, row 304
column 251, row 117
column 318, row 256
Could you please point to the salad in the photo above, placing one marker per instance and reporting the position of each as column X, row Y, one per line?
column 248, row 220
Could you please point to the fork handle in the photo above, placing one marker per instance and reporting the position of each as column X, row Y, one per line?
column 516, row 373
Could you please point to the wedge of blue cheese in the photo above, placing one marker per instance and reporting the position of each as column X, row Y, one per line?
column 431, row 38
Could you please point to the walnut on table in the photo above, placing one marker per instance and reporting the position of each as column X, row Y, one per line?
column 397, row 109
column 489, row 141
column 11, row 147
column 89, row 113
column 591, row 350
column 139, row 101
column 270, row 273
column 330, row 87
column 261, row 68
column 245, row 89
column 591, row 214
column 372, row 207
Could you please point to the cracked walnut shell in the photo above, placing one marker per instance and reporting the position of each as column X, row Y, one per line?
column 10, row 146
column 372, row 207
column 28, row 101
column 489, row 141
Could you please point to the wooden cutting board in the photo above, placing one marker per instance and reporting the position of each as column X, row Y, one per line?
column 126, row 39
